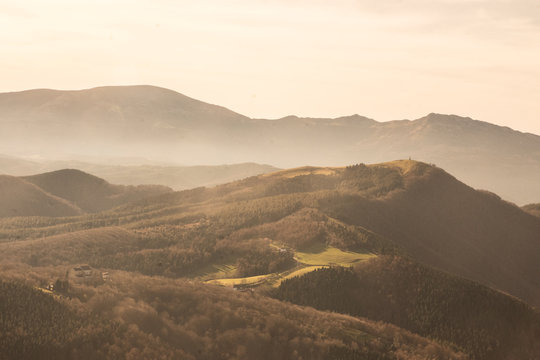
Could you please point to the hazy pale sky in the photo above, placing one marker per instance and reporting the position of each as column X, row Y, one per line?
column 270, row 58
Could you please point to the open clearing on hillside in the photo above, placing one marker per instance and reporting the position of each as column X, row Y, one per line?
column 251, row 280
column 331, row 256
column 307, row 262
column 216, row 271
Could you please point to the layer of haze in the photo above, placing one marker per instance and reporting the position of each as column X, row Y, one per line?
column 270, row 58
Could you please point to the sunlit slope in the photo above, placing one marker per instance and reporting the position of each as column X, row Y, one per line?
column 307, row 261
column 402, row 206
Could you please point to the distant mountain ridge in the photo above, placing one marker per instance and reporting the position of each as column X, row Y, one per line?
column 174, row 176
column 165, row 125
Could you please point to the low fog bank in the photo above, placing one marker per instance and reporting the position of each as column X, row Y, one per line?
column 137, row 171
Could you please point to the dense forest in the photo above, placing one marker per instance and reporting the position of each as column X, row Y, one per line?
column 137, row 317
column 34, row 325
column 482, row 322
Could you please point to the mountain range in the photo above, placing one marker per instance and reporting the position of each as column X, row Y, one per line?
column 377, row 260
column 163, row 125
column 138, row 171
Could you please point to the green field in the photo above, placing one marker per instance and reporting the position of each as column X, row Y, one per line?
column 216, row 271
column 331, row 256
column 320, row 257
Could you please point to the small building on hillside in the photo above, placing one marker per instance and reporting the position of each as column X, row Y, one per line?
column 78, row 271
column 82, row 271
column 87, row 270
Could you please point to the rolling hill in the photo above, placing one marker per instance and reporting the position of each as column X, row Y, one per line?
column 89, row 192
column 400, row 207
column 66, row 193
column 164, row 256
column 163, row 125
column 22, row 198
column 174, row 176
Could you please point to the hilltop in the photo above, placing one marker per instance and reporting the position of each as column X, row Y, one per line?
column 66, row 193
column 21, row 198
column 164, row 125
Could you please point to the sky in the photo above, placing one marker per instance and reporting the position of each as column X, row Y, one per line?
column 387, row 60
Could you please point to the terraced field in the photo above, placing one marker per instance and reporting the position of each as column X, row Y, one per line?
column 216, row 271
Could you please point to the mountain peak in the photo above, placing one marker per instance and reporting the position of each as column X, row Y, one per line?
column 355, row 119
column 444, row 117
column 66, row 176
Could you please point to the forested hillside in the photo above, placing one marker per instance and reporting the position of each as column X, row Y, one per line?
column 402, row 206
column 153, row 262
column 136, row 317
column 483, row 322
column 34, row 325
